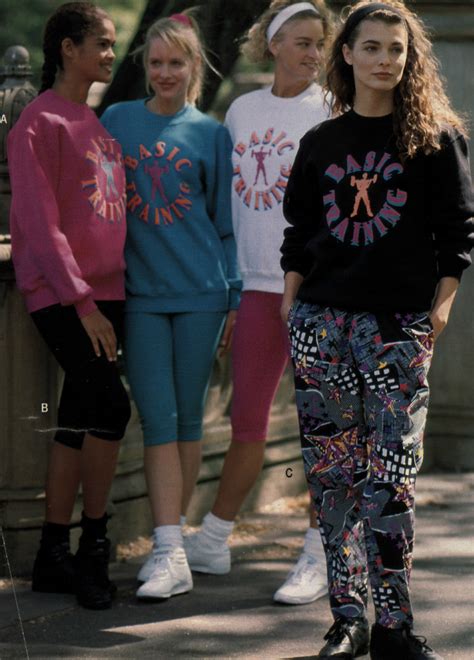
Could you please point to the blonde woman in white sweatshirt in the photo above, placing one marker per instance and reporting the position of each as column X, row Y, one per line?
column 265, row 126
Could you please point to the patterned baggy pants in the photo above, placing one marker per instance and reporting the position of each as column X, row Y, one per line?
column 362, row 396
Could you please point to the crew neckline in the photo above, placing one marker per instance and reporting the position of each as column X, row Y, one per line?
column 305, row 91
column 69, row 102
column 380, row 118
column 179, row 113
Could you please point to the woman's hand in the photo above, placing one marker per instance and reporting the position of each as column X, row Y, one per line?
column 101, row 331
column 293, row 282
column 226, row 338
column 438, row 324
column 286, row 304
column 445, row 294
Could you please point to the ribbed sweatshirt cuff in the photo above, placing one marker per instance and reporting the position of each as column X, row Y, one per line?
column 234, row 299
column 450, row 271
column 85, row 306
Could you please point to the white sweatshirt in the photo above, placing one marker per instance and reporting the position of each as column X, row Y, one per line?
column 266, row 131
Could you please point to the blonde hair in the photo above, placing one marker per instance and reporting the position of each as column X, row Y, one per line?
column 255, row 46
column 188, row 39
column 421, row 106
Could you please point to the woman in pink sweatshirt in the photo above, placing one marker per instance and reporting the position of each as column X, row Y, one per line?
column 68, row 232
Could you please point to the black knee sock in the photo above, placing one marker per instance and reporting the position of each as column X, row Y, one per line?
column 53, row 534
column 94, row 528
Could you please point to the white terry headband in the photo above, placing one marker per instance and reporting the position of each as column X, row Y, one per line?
column 287, row 13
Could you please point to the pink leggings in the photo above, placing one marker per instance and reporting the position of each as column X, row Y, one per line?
column 260, row 352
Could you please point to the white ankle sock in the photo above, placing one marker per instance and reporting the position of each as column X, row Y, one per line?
column 313, row 545
column 214, row 530
column 182, row 521
column 167, row 537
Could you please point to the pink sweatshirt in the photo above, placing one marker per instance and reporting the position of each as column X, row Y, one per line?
column 67, row 217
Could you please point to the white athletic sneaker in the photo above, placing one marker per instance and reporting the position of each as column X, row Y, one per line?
column 205, row 558
column 306, row 582
column 144, row 574
column 170, row 576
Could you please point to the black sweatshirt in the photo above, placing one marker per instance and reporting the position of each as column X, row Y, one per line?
column 368, row 232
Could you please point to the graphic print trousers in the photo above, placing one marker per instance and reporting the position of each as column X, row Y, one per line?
column 362, row 396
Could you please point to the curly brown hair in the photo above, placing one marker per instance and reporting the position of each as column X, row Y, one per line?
column 255, row 45
column 421, row 106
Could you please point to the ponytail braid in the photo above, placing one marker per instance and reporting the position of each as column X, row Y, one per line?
column 48, row 76
column 52, row 38
column 52, row 60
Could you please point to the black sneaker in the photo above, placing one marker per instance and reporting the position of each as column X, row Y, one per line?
column 54, row 570
column 346, row 639
column 94, row 589
column 394, row 644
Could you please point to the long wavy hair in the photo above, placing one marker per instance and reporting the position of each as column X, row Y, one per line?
column 421, row 106
column 73, row 20
column 255, row 45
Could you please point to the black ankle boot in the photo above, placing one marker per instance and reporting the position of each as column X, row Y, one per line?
column 394, row 644
column 94, row 589
column 346, row 639
column 54, row 570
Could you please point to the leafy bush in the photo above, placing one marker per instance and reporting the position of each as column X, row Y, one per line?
column 24, row 26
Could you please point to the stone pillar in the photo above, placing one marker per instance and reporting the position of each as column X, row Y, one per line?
column 28, row 393
column 28, row 376
column 450, row 430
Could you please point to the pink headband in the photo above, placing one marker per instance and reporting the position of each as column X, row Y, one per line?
column 182, row 18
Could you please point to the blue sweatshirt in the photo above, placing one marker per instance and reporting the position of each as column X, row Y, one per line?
column 180, row 250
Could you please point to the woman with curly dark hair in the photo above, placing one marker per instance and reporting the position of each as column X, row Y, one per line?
column 68, row 234
column 380, row 206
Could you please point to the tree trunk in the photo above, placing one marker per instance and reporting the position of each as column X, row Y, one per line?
column 222, row 23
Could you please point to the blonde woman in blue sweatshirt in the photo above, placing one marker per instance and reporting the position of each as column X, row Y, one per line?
column 182, row 278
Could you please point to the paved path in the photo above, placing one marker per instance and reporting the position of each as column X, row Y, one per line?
column 233, row 616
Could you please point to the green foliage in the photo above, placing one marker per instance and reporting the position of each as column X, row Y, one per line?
column 22, row 22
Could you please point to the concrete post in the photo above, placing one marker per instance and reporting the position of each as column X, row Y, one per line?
column 450, row 429
column 28, row 376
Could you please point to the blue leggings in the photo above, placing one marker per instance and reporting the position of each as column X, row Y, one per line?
column 169, row 359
